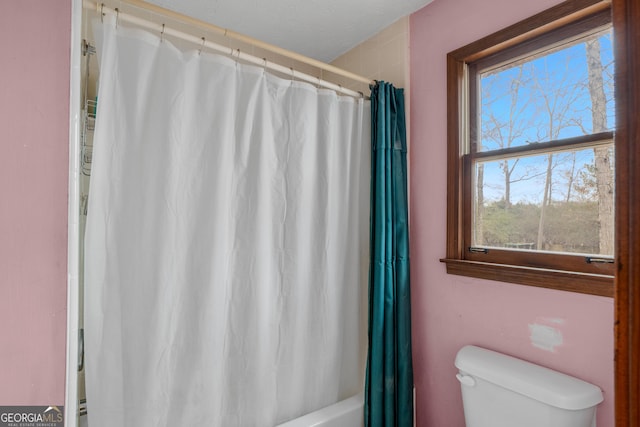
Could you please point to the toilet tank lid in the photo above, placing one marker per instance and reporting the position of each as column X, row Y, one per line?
column 534, row 381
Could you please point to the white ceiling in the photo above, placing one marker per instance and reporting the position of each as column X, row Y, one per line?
column 320, row 29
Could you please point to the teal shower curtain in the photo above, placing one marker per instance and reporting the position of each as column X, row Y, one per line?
column 389, row 381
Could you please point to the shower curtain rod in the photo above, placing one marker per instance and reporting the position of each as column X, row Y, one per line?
column 162, row 29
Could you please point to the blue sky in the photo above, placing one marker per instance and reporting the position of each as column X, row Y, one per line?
column 514, row 113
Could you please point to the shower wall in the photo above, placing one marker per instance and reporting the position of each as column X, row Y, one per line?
column 34, row 123
column 384, row 56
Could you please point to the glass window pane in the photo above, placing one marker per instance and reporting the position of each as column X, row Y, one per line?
column 561, row 93
column 550, row 202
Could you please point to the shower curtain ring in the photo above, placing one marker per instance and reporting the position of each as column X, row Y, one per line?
column 117, row 16
column 162, row 34
column 102, row 13
column 201, row 46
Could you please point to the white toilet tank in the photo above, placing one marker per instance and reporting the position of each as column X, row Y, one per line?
column 502, row 391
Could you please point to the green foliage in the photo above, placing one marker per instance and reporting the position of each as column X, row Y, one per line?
column 510, row 225
column 568, row 226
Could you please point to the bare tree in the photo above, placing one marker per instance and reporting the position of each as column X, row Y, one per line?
column 556, row 106
column 504, row 132
column 546, row 199
column 571, row 177
column 603, row 162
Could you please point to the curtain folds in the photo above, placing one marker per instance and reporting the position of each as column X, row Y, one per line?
column 389, row 378
column 227, row 241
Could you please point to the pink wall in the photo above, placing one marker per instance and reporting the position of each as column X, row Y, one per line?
column 34, row 122
column 452, row 311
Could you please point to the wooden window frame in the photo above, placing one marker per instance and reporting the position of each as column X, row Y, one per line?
column 526, row 268
column 626, row 28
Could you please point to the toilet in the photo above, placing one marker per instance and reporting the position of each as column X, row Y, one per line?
column 502, row 391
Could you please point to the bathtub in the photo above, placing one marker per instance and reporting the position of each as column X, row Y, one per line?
column 346, row 413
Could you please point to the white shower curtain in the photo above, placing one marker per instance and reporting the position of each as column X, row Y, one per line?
column 227, row 241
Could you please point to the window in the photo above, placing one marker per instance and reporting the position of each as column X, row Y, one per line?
column 530, row 152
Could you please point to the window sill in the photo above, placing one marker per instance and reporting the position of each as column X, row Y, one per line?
column 592, row 284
